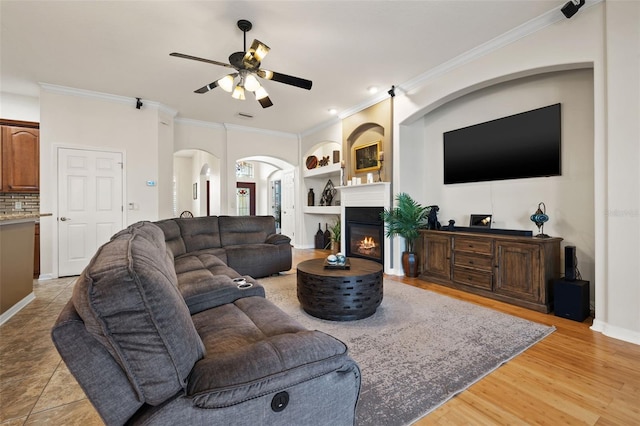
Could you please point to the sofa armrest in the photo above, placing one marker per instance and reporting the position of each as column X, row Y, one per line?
column 202, row 291
column 278, row 239
column 98, row 373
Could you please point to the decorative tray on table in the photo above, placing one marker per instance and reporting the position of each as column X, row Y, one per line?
column 335, row 265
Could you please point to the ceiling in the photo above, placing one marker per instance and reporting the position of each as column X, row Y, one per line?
column 122, row 48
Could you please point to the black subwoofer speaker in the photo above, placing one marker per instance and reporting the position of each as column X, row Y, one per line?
column 570, row 263
column 571, row 299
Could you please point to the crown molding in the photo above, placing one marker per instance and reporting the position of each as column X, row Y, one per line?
column 199, row 123
column 232, row 127
column 247, row 129
column 321, row 126
column 126, row 100
column 511, row 36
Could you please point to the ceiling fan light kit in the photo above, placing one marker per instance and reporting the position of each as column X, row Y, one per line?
column 247, row 65
column 226, row 83
column 238, row 93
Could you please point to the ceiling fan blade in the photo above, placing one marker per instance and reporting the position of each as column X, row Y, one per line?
column 255, row 54
column 286, row 79
column 265, row 102
column 208, row 87
column 195, row 58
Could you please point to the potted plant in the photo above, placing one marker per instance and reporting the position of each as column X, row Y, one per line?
column 334, row 241
column 406, row 219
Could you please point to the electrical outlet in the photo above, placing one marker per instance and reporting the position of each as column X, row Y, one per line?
column 18, row 205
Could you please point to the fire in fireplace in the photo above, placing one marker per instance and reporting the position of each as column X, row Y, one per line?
column 364, row 233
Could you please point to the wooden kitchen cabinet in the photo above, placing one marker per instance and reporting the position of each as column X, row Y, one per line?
column 20, row 159
column 514, row 269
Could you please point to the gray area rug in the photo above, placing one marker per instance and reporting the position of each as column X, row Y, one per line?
column 419, row 349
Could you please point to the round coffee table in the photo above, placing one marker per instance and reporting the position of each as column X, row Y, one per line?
column 340, row 294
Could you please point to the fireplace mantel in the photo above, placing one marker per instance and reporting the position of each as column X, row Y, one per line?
column 376, row 194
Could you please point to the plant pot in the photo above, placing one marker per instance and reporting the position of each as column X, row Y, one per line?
column 335, row 247
column 410, row 264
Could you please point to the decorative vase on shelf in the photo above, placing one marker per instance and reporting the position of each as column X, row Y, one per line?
column 319, row 240
column 327, row 236
column 311, row 197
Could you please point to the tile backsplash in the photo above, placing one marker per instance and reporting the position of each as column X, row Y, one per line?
column 30, row 203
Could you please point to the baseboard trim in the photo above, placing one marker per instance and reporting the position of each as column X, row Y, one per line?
column 17, row 307
column 616, row 332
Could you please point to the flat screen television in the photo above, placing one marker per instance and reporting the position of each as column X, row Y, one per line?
column 523, row 145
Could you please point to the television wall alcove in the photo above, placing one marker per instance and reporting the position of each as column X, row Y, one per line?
column 569, row 198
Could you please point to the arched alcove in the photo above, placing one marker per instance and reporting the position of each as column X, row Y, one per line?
column 570, row 198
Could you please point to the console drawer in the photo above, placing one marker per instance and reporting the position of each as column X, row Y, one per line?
column 472, row 261
column 473, row 277
column 474, row 245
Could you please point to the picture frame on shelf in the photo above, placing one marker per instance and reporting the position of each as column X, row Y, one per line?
column 366, row 157
column 480, row 221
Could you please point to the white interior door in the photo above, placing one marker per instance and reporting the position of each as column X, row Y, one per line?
column 90, row 205
column 288, row 211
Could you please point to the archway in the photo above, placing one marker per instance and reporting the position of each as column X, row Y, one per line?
column 274, row 188
column 196, row 183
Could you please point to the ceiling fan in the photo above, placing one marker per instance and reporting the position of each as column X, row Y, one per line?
column 247, row 67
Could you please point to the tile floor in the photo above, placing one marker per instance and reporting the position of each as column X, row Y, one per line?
column 35, row 386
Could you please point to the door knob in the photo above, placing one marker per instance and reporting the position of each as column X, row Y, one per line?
column 64, row 219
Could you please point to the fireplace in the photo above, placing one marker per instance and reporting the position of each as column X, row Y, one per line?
column 364, row 233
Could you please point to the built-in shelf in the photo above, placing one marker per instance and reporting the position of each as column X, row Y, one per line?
column 317, row 179
column 321, row 209
column 322, row 171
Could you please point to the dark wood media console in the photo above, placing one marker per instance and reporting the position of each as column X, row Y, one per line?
column 514, row 269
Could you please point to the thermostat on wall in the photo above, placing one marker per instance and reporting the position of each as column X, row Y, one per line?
column 151, row 183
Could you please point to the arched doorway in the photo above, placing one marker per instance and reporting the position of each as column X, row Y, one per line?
column 196, row 183
column 274, row 189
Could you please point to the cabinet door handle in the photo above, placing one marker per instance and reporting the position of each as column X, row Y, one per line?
column 64, row 219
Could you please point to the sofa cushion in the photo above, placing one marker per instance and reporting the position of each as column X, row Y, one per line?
column 206, row 282
column 236, row 230
column 254, row 348
column 128, row 298
column 172, row 236
column 200, row 232
column 259, row 260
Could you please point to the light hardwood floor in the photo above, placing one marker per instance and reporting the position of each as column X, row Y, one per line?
column 574, row 376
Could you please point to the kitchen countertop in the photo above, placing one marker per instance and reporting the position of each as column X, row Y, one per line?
column 7, row 219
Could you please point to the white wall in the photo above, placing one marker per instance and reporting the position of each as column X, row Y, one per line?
column 165, row 165
column 70, row 119
column 210, row 138
column 184, row 183
column 618, row 294
column 18, row 107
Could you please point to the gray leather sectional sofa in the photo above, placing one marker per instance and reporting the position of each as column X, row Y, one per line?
column 157, row 332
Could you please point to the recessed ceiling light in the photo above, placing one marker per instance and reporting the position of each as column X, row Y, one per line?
column 372, row 89
column 332, row 111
